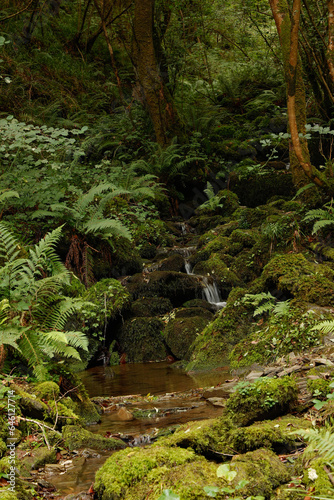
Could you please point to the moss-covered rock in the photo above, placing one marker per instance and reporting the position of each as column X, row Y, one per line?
column 76, row 437
column 265, row 398
column 126, row 469
column 262, row 469
column 153, row 306
column 5, row 494
column 321, row 484
column 294, row 275
column 141, row 339
column 47, row 391
column 29, row 404
column 232, row 324
column 181, row 332
column 22, row 490
column 172, row 263
column 224, row 277
column 35, row 459
column 200, row 303
column 272, row 338
column 177, row 287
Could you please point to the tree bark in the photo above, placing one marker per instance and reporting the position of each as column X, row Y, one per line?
column 154, row 93
column 288, row 29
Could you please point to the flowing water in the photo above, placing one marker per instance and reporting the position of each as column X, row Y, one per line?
column 171, row 398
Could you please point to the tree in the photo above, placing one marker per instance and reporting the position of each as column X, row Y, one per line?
column 287, row 23
column 152, row 88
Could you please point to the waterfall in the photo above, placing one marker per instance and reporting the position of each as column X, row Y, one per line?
column 210, row 289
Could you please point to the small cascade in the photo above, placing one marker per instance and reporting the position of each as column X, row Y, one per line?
column 188, row 267
column 211, row 293
column 210, row 289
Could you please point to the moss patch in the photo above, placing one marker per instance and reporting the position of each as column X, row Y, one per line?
column 152, row 306
column 265, row 398
column 141, row 339
column 48, row 391
column 127, row 468
column 75, row 437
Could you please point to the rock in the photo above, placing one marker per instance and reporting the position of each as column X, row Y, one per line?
column 177, row 287
column 37, row 458
column 124, row 414
column 262, row 469
column 48, row 391
column 222, row 391
column 153, row 306
column 75, row 437
column 263, row 399
column 181, row 332
column 253, row 375
column 141, row 340
column 323, row 361
column 53, row 468
column 217, row 401
column 291, row 369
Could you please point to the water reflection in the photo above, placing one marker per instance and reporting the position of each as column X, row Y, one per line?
column 146, row 378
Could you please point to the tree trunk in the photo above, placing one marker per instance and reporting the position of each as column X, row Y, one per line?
column 288, row 28
column 154, row 93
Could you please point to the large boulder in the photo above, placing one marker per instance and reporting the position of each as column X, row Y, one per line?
column 177, row 287
column 141, row 340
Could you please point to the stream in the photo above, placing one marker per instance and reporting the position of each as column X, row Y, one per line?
column 171, row 397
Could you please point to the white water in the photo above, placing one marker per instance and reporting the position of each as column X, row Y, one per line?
column 210, row 290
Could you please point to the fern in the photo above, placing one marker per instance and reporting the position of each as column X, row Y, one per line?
column 324, row 217
column 320, row 441
column 213, row 201
column 326, row 327
column 34, row 316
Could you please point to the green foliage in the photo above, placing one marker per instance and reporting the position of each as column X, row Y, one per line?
column 324, row 217
column 213, row 201
column 320, row 440
column 33, row 313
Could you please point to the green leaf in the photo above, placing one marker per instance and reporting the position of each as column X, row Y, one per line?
column 168, row 495
column 225, row 472
column 211, row 491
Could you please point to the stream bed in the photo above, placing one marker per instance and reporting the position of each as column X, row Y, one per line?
column 155, row 394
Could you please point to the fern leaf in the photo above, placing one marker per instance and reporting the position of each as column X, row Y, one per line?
column 320, row 224
column 326, row 327
column 108, row 227
column 9, row 248
column 263, row 308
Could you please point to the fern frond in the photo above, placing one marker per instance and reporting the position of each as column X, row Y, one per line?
column 281, row 308
column 326, row 327
column 82, row 203
column 264, row 308
column 320, row 440
column 320, row 224
column 9, row 247
column 108, row 227
column 317, row 213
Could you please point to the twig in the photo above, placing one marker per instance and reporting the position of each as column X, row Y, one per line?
column 42, row 426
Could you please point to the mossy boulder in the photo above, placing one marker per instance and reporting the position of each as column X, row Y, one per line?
column 223, row 276
column 141, row 339
column 172, row 263
column 206, row 437
column 294, row 275
column 29, row 404
column 177, row 287
column 271, row 434
column 35, row 459
column 153, row 306
column 321, row 484
column 262, row 469
column 76, row 437
column 201, row 303
column 23, row 491
column 105, row 299
column 265, row 398
column 232, row 324
column 124, row 471
column 47, row 391
column 251, row 217
column 203, row 223
column 181, row 331
column 274, row 336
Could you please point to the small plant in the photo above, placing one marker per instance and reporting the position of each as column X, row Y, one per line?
column 224, row 471
column 324, row 217
column 213, row 201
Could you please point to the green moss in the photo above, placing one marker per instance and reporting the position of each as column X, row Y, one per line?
column 181, row 332
column 48, row 391
column 318, row 387
column 185, row 480
column 271, row 434
column 7, row 495
column 247, row 237
column 322, row 485
column 141, row 339
column 212, row 347
column 28, row 403
column 106, row 298
column 35, row 459
column 224, row 277
column 262, row 469
column 293, row 274
column 250, row 217
column 265, row 398
column 205, row 437
column 153, row 306
column 274, row 337
column 177, row 287
column 126, row 469
column 60, row 412
column 75, row 437
column 3, row 448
